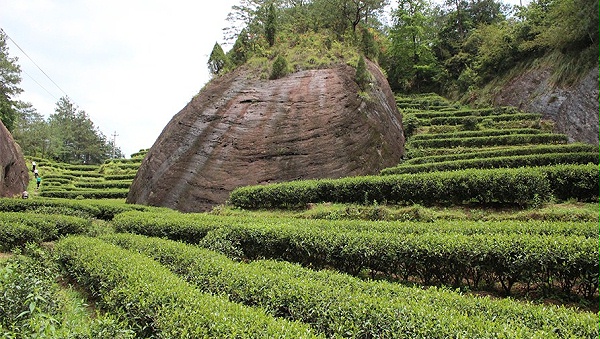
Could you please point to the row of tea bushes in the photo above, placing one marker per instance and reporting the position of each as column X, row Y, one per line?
column 86, row 194
column 103, row 210
column 477, row 153
column 561, row 262
column 34, row 305
column 525, row 186
column 470, row 134
column 17, row 229
column 159, row 303
column 461, row 120
column 107, row 181
column 338, row 305
column 493, row 140
column 190, row 227
column 465, row 112
column 511, row 161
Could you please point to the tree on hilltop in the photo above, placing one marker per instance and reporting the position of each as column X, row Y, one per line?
column 10, row 78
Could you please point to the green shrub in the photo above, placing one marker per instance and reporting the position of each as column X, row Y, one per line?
column 512, row 161
column 440, row 254
column 498, row 186
column 338, row 305
column 160, row 303
column 280, row 68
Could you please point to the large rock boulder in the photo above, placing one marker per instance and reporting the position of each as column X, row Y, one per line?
column 573, row 108
column 241, row 130
column 14, row 175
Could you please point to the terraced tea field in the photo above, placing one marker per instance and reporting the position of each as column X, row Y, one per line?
column 495, row 234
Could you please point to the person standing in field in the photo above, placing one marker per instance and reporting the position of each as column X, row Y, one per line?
column 38, row 181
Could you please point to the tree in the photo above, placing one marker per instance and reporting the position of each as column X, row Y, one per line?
column 362, row 76
column 31, row 130
column 571, row 25
column 240, row 52
column 217, row 60
column 413, row 66
column 271, row 25
column 280, row 68
column 74, row 138
column 361, row 10
column 10, row 78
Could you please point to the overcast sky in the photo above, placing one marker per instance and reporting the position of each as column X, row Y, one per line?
column 129, row 64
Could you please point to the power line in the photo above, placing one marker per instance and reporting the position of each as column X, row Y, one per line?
column 44, row 88
column 36, row 65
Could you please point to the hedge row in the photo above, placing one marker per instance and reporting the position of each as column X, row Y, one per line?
column 479, row 112
column 189, row 227
column 495, row 140
column 74, row 194
column 338, row 305
column 561, row 262
column 512, row 161
column 124, row 161
column 158, row 302
column 18, row 229
column 105, row 184
column 468, row 134
column 484, row 186
column 450, row 120
column 499, row 186
column 80, row 168
column 128, row 176
column 505, row 151
column 87, row 174
column 34, row 305
column 104, row 210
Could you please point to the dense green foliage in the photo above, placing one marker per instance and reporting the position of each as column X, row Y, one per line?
column 67, row 136
column 34, row 306
column 363, row 309
column 18, row 229
column 497, row 186
column 111, row 180
column 452, row 48
column 158, row 302
column 10, row 77
column 449, row 253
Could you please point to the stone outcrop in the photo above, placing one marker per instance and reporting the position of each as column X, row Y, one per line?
column 14, row 174
column 574, row 108
column 241, row 130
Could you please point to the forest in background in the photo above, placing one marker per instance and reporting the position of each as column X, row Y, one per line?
column 450, row 48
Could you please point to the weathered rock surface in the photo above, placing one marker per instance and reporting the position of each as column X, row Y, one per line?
column 573, row 109
column 14, row 174
column 240, row 130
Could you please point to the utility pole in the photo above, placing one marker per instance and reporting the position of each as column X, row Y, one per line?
column 114, row 144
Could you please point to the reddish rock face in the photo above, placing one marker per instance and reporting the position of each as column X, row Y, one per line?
column 573, row 108
column 240, row 131
column 13, row 170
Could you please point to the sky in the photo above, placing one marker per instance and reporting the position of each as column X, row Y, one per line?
column 131, row 65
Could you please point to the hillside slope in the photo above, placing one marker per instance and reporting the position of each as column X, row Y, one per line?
column 573, row 108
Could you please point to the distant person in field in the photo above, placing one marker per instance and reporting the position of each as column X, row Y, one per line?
column 33, row 164
column 35, row 172
column 38, row 181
